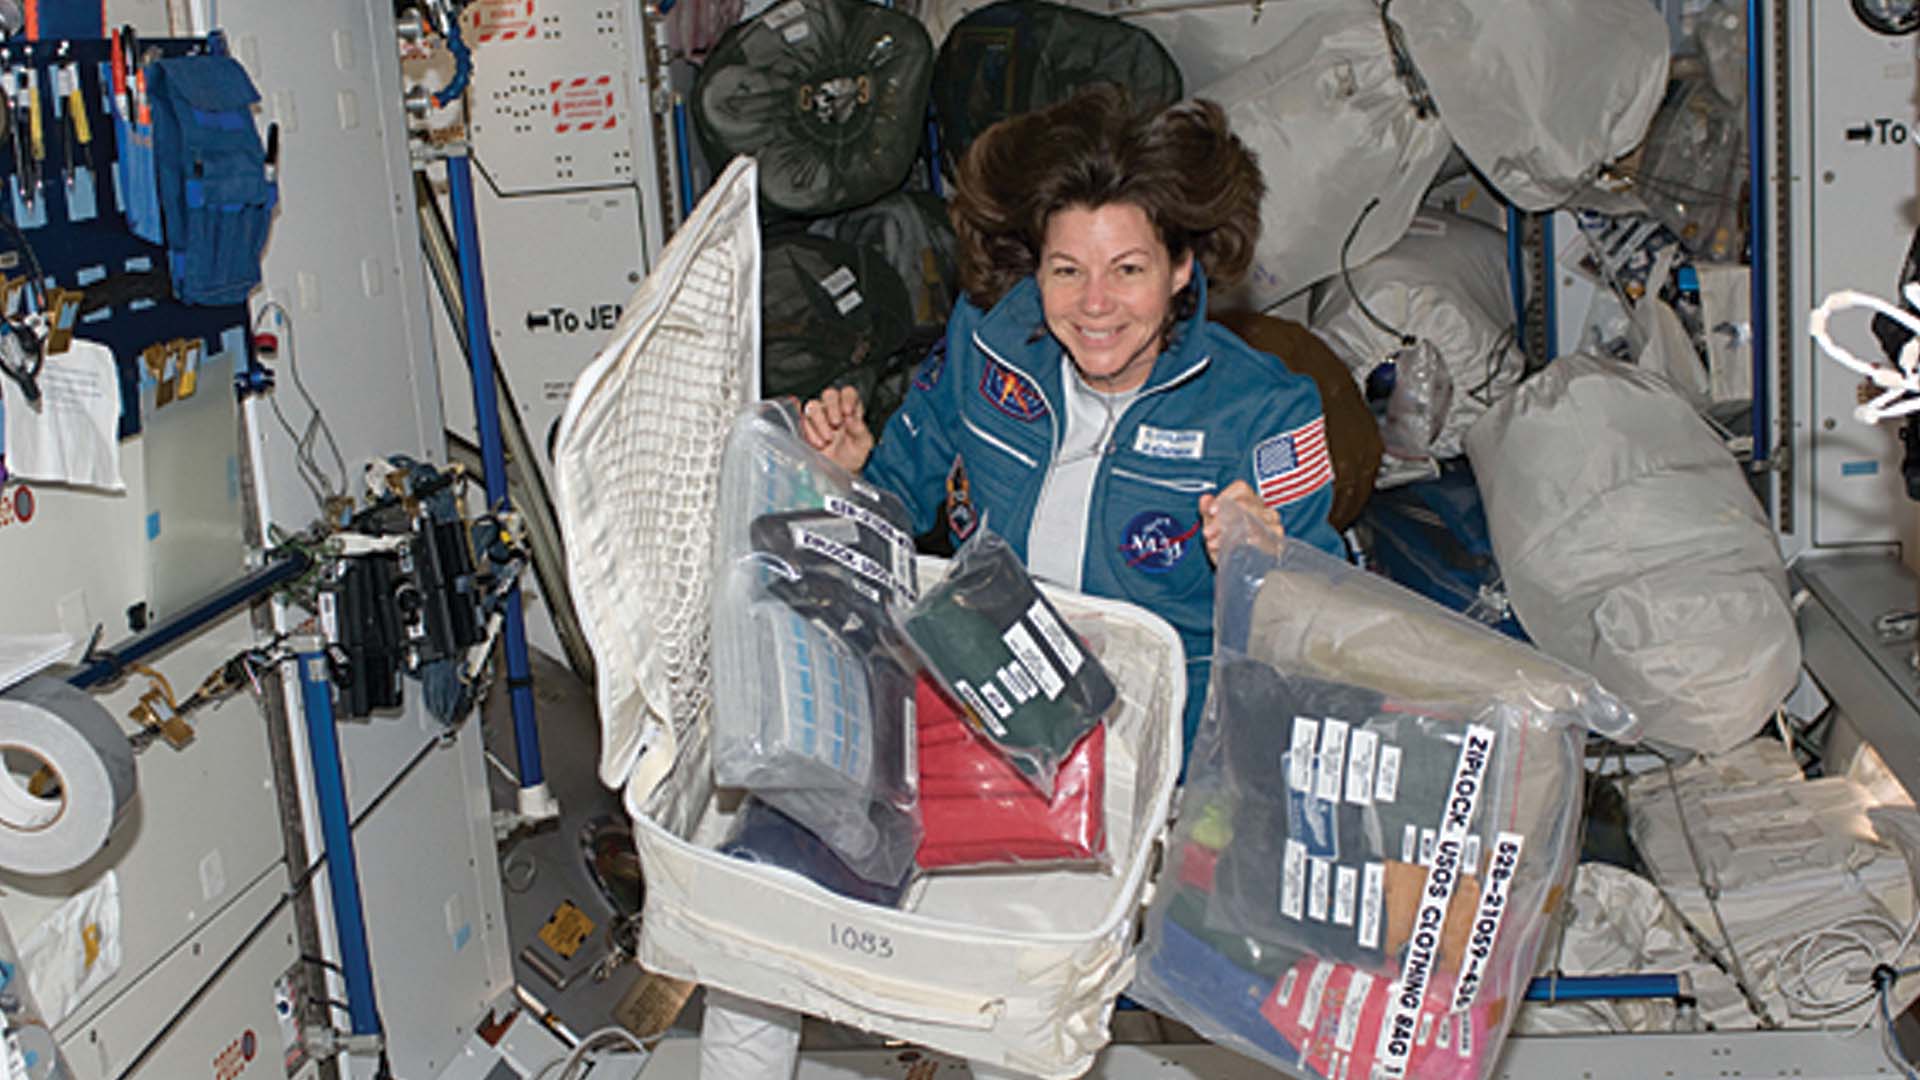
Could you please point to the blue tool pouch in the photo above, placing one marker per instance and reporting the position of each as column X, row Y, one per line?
column 216, row 191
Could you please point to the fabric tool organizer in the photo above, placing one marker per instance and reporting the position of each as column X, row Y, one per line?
column 76, row 216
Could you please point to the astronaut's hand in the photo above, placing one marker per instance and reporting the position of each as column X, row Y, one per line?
column 835, row 424
column 1238, row 513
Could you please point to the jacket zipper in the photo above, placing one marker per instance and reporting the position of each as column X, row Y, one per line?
column 994, row 440
column 1188, row 487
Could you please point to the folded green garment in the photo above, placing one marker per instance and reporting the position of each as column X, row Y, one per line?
column 1005, row 652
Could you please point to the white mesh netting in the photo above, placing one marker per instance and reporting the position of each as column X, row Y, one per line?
column 636, row 462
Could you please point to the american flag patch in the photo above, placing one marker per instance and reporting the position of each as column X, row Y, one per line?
column 1293, row 465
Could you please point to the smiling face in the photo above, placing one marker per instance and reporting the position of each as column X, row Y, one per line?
column 1106, row 286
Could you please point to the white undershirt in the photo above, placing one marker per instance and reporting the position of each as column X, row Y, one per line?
column 1057, row 538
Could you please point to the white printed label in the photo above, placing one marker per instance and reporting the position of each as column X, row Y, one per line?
column 1486, row 920
column 1373, row 889
column 1317, row 894
column 1349, row 1027
column 911, row 710
column 1386, row 786
column 1410, row 844
column 1364, row 748
column 1423, row 946
column 1443, row 1034
column 329, row 617
column 839, row 281
column 1316, row 992
column 1018, row 683
column 1427, row 838
column 1038, row 665
column 856, row 512
column 1057, row 637
column 1286, row 987
column 1165, row 443
column 1293, row 879
column 1300, row 761
column 1333, row 760
column 979, row 707
column 1426, row 1030
column 1346, row 884
column 1465, row 1049
column 999, row 703
column 808, row 540
column 1471, row 859
column 848, row 301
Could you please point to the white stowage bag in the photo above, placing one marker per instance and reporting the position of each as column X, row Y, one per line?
column 1634, row 550
column 1446, row 284
column 1540, row 94
column 1334, row 127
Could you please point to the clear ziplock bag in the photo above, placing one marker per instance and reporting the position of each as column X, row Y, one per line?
column 1381, row 812
column 813, row 686
column 1000, row 648
column 978, row 810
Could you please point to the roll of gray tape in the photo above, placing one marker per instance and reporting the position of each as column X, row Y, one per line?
column 48, row 725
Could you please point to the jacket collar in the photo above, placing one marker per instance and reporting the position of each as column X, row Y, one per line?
column 1015, row 333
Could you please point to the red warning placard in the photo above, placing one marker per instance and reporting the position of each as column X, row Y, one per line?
column 582, row 104
column 499, row 20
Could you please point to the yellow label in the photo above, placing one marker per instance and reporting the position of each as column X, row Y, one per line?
column 90, row 937
column 566, row 930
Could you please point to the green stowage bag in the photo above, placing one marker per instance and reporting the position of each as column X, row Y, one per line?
column 1030, row 686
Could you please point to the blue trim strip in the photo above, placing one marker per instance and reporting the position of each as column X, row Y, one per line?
column 174, row 627
column 683, row 157
column 934, row 182
column 1757, row 187
column 1517, row 275
column 486, row 410
column 343, row 876
column 1604, row 988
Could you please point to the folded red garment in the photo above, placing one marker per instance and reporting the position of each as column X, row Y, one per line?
column 977, row 810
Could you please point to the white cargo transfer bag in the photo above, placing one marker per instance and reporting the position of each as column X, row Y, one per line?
column 1335, row 126
column 1540, row 95
column 1015, row 970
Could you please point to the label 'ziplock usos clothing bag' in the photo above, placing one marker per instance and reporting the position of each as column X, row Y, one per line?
column 813, row 688
column 1367, row 859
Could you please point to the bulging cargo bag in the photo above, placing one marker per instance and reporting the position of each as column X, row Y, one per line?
column 1633, row 547
column 831, row 311
column 1539, row 95
column 912, row 230
column 1019, row 970
column 1380, row 815
column 830, row 95
column 1336, row 123
column 1444, row 283
column 1017, row 56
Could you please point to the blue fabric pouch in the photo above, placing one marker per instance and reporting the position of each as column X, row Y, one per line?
column 215, row 187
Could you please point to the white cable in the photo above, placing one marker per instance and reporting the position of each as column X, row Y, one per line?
column 1900, row 385
column 578, row 1055
column 1810, row 981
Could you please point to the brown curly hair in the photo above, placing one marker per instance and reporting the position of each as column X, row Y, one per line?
column 1196, row 181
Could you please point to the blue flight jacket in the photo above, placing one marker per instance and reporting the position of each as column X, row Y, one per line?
column 973, row 440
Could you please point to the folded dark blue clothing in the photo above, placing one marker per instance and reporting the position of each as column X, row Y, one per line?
column 1210, row 991
column 1369, row 786
column 765, row 835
